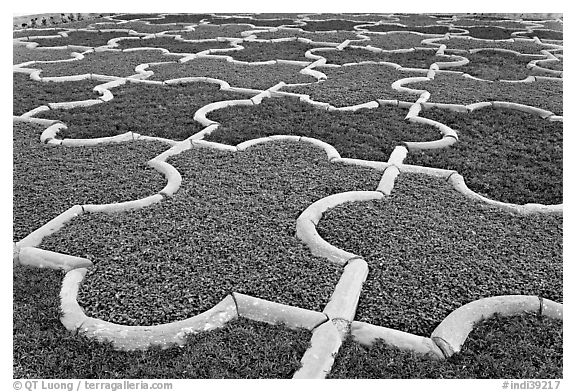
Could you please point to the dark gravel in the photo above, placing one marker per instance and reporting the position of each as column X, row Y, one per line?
column 231, row 227
column 503, row 154
column 493, row 65
column 181, row 18
column 140, row 27
column 329, row 25
column 431, row 250
column 516, row 347
column 173, row 45
column 337, row 37
column 545, row 34
column 545, row 94
column 47, row 180
column 44, row 349
column 368, row 134
column 524, row 47
column 135, row 16
column 419, row 29
column 83, row 38
column 35, row 33
column 237, row 75
column 489, row 32
column 264, row 51
column 155, row 110
column 255, row 22
column 417, row 59
column 507, row 24
column 215, row 31
column 21, row 54
column 347, row 86
column 29, row 94
column 395, row 40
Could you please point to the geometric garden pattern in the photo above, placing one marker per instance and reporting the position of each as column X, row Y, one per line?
column 358, row 177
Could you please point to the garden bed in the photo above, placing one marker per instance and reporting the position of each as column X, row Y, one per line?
column 237, row 75
column 111, row 63
column 230, row 228
column 47, row 180
column 544, row 94
column 330, row 25
column 506, row 24
column 369, row 134
column 430, row 250
column 22, row 54
column 352, row 85
column 336, row 37
column 181, row 19
column 135, row 16
column 553, row 25
column 139, row 26
column 206, row 31
column 44, row 349
column 382, row 28
column 489, row 32
column 264, row 51
column 514, row 347
column 29, row 94
column 83, row 38
column 173, row 45
column 416, row 59
column 256, row 22
column 394, row 40
column 504, row 154
column 35, row 33
column 545, row 34
column 524, row 47
column 495, row 65
column 155, row 110
column 418, row 20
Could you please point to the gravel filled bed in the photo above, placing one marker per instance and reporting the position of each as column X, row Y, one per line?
column 489, row 32
column 352, row 85
column 394, row 40
column 368, row 134
column 206, row 31
column 22, row 54
column 347, row 16
column 44, row 349
column 181, row 18
column 419, row 29
column 29, row 94
column 140, row 27
column 48, row 180
column 319, row 36
column 544, row 94
column 231, row 227
column 431, row 250
column 264, row 51
column 155, row 110
column 524, row 47
column 494, row 65
column 517, row 347
column 259, row 77
column 506, row 24
column 506, row 155
column 35, row 32
column 135, row 16
column 83, row 38
column 329, row 25
column 416, row 59
column 418, row 19
column 256, row 22
column 173, row 45
column 545, row 34
column 111, row 63
column 553, row 25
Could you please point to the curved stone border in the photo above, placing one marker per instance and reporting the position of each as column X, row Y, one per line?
column 452, row 332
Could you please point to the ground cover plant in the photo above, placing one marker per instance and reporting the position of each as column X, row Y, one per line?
column 504, row 154
column 35, row 32
column 29, row 94
column 22, row 54
column 181, row 18
column 394, row 40
column 264, row 51
column 495, row 65
column 173, row 45
column 419, row 29
column 238, row 75
column 521, row 46
column 48, row 180
column 369, row 134
column 524, row 346
column 544, row 34
column 206, row 31
column 352, row 85
column 165, row 111
column 229, row 228
column 216, row 20
column 111, row 63
column 489, row 32
column 430, row 250
column 44, row 349
column 139, row 26
column 83, row 38
column 317, row 36
column 415, row 59
column 545, row 94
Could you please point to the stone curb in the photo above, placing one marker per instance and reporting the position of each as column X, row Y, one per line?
column 34, row 120
column 432, row 145
column 274, row 313
column 35, row 238
column 346, row 294
column 366, row 334
column 452, row 332
column 124, row 206
column 430, row 171
column 41, row 258
column 398, row 155
column 35, row 111
column 457, row 181
column 376, row 165
column 124, row 137
column 200, row 114
column 331, row 152
column 386, row 183
column 172, row 176
column 319, row 358
column 137, row 337
column 74, row 104
column 524, row 108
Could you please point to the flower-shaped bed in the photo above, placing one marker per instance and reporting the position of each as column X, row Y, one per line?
column 383, row 28
column 366, row 18
column 415, row 59
column 262, row 76
column 504, row 154
column 544, row 34
column 321, row 36
column 48, row 180
column 495, row 65
column 430, row 250
column 22, row 54
column 544, row 94
column 394, row 40
column 357, row 84
column 506, row 24
column 219, row 20
column 44, row 349
column 229, row 228
column 265, row 51
column 518, row 347
column 523, row 46
column 29, row 94
column 135, row 16
column 180, row 18
column 110, row 63
column 83, row 38
column 140, row 26
column 552, row 25
column 206, row 31
column 173, row 45
column 418, row 19
column 489, row 32
column 35, row 32
column 165, row 111
column 369, row 134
